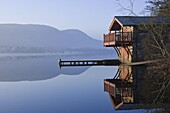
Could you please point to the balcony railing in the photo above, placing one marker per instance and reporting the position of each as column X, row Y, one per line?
column 118, row 39
column 110, row 88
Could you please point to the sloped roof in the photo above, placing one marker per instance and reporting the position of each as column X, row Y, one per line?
column 136, row 20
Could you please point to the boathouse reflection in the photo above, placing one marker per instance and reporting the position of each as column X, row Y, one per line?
column 124, row 89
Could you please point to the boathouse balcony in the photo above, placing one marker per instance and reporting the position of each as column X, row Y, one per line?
column 118, row 39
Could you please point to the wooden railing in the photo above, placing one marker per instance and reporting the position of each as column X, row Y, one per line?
column 118, row 38
column 123, row 36
column 110, row 88
column 109, row 37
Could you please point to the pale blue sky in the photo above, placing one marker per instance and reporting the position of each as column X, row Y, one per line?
column 90, row 16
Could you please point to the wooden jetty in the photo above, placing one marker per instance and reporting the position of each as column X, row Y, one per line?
column 108, row 62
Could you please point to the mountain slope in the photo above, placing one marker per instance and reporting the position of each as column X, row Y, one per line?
column 44, row 36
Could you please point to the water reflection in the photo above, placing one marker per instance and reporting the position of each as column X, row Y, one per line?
column 38, row 67
column 33, row 68
column 80, row 92
column 125, row 87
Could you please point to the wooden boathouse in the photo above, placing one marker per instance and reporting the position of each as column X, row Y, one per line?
column 125, row 36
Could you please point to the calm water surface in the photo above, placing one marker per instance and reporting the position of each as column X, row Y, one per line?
column 36, row 84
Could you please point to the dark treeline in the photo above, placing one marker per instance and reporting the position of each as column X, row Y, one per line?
column 156, row 46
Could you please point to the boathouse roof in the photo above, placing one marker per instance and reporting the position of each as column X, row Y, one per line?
column 119, row 21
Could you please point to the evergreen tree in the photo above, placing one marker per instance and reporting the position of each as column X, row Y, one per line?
column 159, row 7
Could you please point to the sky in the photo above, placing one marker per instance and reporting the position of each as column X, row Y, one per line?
column 90, row 16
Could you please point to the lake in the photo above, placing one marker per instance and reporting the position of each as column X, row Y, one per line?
column 36, row 84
